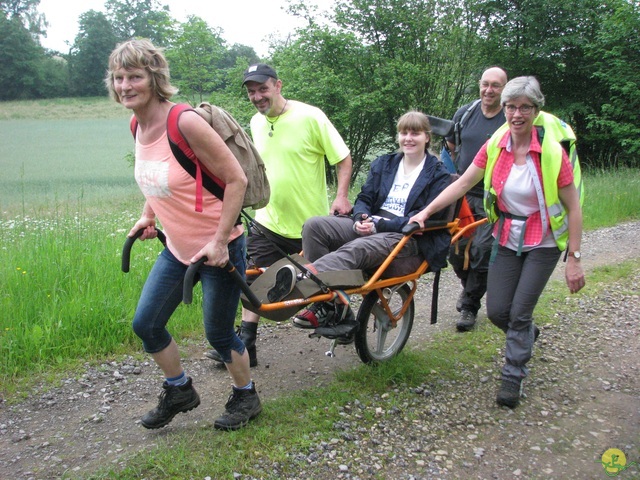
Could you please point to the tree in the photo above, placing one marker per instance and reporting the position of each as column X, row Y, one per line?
column 140, row 18
column 551, row 40
column 238, row 51
column 195, row 54
column 378, row 60
column 27, row 10
column 54, row 75
column 614, row 57
column 19, row 57
column 90, row 54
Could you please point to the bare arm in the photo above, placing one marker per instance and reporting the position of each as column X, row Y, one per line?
column 450, row 194
column 216, row 156
column 341, row 203
column 574, row 274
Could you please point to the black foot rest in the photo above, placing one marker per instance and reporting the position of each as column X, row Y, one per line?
column 341, row 330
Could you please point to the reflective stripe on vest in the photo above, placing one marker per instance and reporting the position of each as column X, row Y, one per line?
column 555, row 131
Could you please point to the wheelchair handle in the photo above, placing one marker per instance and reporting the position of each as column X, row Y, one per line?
column 126, row 249
column 189, row 280
column 409, row 228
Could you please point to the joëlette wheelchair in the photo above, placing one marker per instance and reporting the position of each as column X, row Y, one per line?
column 386, row 312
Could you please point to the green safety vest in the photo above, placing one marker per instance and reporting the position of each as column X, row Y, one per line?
column 554, row 134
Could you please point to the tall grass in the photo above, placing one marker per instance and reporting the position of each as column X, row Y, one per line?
column 68, row 198
column 611, row 196
column 64, row 297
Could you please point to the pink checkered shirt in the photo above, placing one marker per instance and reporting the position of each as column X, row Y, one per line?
column 533, row 229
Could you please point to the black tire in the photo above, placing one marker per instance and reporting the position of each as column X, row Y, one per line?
column 376, row 340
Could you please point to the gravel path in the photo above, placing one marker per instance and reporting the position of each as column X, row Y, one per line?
column 583, row 399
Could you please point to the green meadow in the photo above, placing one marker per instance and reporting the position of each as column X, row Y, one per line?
column 67, row 201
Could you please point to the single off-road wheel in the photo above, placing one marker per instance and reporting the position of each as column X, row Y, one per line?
column 377, row 339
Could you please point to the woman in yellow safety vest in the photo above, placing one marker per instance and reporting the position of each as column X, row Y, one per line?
column 528, row 190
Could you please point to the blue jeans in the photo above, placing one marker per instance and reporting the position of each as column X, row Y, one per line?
column 162, row 293
column 514, row 287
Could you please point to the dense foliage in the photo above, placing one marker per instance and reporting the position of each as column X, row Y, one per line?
column 368, row 61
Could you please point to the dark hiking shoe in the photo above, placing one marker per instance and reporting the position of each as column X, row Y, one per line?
column 467, row 321
column 242, row 406
column 284, row 283
column 172, row 401
column 247, row 332
column 509, row 393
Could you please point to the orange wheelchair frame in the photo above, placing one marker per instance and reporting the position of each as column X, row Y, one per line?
column 385, row 315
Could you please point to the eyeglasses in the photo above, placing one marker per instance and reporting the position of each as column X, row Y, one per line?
column 495, row 86
column 524, row 109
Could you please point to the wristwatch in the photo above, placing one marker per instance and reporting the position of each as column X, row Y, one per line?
column 577, row 255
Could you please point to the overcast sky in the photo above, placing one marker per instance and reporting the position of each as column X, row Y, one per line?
column 247, row 22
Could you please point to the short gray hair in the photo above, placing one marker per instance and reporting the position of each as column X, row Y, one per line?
column 523, row 87
column 141, row 53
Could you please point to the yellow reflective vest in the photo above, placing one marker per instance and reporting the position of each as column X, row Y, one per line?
column 554, row 135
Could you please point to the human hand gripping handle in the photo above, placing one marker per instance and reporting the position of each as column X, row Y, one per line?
column 340, row 206
column 126, row 249
column 420, row 218
column 189, row 280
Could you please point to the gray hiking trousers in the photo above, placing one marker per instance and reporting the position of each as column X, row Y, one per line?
column 514, row 286
column 331, row 244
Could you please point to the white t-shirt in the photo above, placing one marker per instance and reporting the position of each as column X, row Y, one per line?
column 520, row 198
column 402, row 184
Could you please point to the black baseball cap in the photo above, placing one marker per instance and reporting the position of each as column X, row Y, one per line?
column 260, row 73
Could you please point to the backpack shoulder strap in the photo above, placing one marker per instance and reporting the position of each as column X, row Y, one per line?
column 468, row 112
column 187, row 158
column 457, row 128
column 133, row 125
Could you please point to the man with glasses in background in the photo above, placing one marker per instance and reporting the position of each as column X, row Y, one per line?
column 475, row 123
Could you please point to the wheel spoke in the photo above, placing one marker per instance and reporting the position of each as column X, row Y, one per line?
column 381, row 337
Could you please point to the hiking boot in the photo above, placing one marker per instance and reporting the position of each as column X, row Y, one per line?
column 247, row 331
column 467, row 321
column 242, row 406
column 172, row 401
column 509, row 393
column 284, row 283
column 315, row 316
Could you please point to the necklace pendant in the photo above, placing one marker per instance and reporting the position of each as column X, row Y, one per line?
column 271, row 134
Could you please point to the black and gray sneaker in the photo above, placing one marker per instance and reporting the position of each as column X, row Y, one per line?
column 172, row 401
column 509, row 393
column 285, row 281
column 242, row 406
